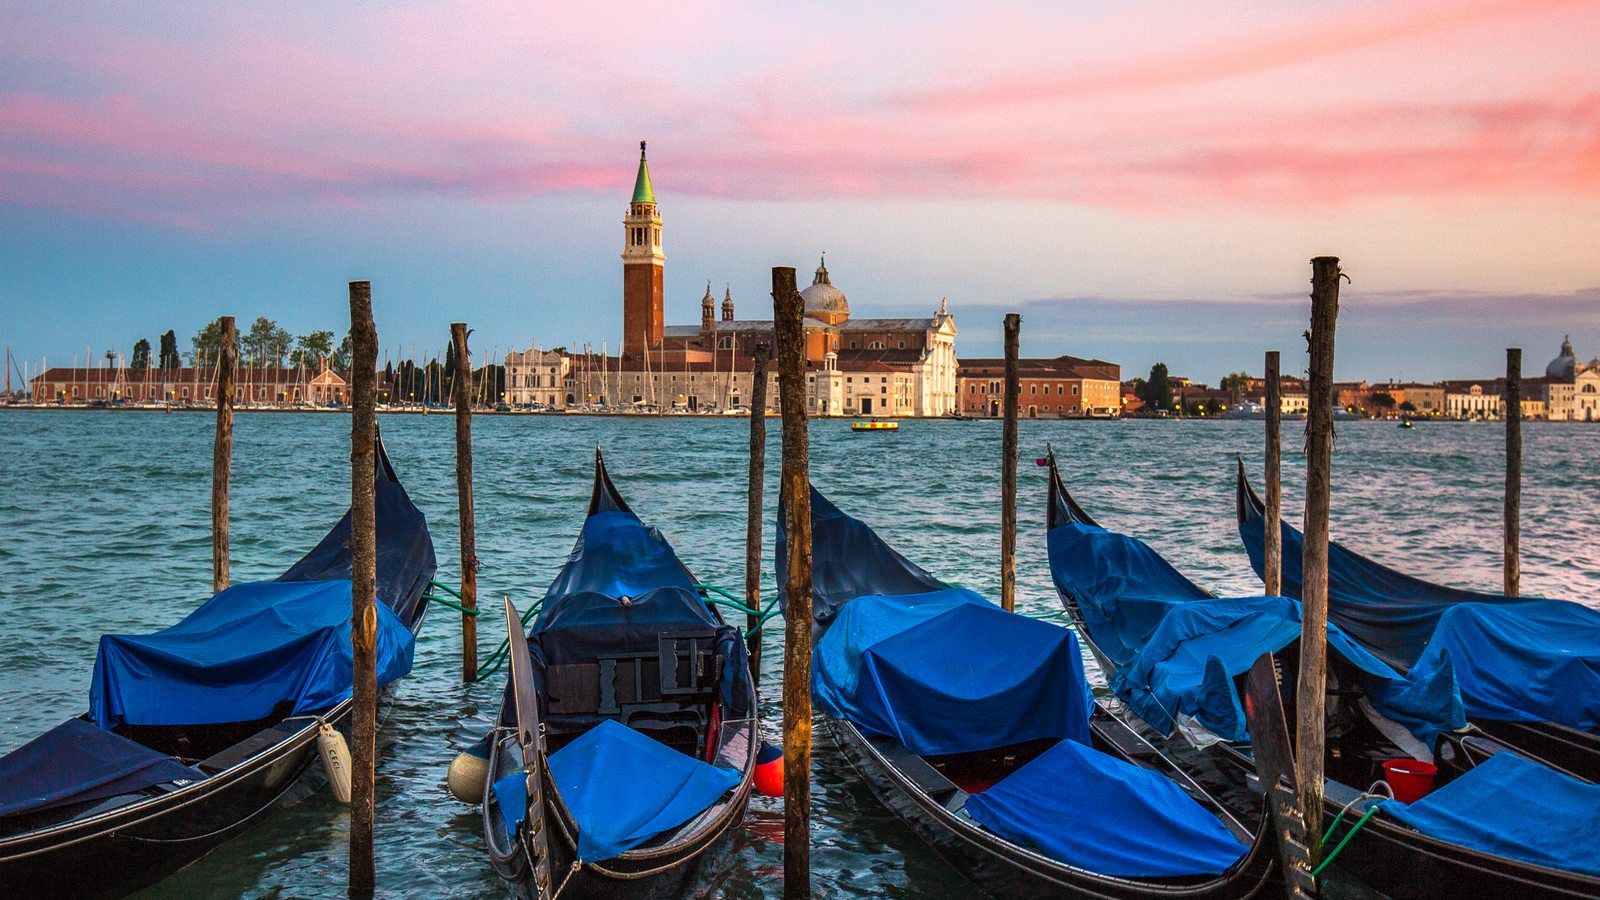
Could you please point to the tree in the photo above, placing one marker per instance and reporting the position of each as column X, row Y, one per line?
column 1157, row 389
column 1408, row 406
column 141, row 354
column 311, row 349
column 341, row 356
column 1213, row 407
column 1383, row 400
column 169, row 351
column 1236, row 383
column 266, row 344
column 207, row 345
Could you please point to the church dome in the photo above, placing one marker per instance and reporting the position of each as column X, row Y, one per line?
column 823, row 300
column 1564, row 366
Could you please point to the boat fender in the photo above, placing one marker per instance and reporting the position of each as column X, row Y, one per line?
column 769, row 771
column 335, row 755
column 467, row 772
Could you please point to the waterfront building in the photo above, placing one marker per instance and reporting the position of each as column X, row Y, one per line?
column 536, row 377
column 1060, row 387
column 1474, row 400
column 855, row 366
column 187, row 386
column 1571, row 390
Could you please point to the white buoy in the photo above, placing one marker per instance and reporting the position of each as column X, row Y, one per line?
column 467, row 772
column 335, row 761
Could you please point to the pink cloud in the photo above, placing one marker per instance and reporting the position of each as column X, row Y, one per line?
column 1430, row 102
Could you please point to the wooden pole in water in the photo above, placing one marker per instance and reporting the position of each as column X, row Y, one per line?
column 222, row 453
column 363, row 586
column 752, row 524
column 1008, row 470
column 1513, row 401
column 790, row 336
column 1272, row 574
column 469, row 539
column 1312, row 693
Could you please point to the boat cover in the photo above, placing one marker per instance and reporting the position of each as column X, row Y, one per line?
column 405, row 556
column 849, row 560
column 1534, row 661
column 1191, row 659
column 1091, row 810
column 623, row 788
column 76, row 762
column 948, row 672
column 1516, row 659
column 1176, row 650
column 622, row 588
column 240, row 655
column 1512, row 807
column 1121, row 587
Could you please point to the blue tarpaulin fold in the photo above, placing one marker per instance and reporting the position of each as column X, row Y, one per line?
column 511, row 796
column 1512, row 807
column 1534, row 661
column 922, row 668
column 241, row 654
column 1516, row 659
column 1090, row 810
column 75, row 762
column 849, row 560
column 623, row 788
column 1177, row 650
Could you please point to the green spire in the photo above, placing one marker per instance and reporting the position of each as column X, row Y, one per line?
column 643, row 190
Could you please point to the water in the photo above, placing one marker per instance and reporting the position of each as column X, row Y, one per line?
column 109, row 532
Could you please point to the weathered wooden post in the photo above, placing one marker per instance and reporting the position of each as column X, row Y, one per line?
column 1272, row 574
column 222, row 453
column 1312, row 692
column 790, row 336
column 469, row 540
column 1513, row 400
column 1008, row 470
column 363, row 586
column 752, row 524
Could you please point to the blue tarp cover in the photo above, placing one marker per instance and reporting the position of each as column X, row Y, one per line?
column 239, row 655
column 1122, row 587
column 1511, row 807
column 1094, row 811
column 1177, row 650
column 1534, row 661
column 948, row 672
column 624, row 788
column 511, row 795
column 1191, row 659
column 75, row 762
column 1516, row 659
column 849, row 560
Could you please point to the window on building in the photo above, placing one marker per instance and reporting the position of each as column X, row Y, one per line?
column 1033, row 389
column 875, row 345
column 902, row 345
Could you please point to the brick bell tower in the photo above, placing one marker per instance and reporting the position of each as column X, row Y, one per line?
column 642, row 264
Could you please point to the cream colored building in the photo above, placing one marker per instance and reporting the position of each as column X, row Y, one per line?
column 1572, row 389
column 536, row 377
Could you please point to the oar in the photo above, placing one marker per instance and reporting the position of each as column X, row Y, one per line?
column 526, row 701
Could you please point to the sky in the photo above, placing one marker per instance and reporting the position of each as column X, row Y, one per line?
column 1143, row 181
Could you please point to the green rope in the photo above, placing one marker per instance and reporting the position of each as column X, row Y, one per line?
column 1328, row 860
column 445, row 601
column 446, row 588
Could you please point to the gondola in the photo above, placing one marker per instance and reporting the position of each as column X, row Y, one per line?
column 195, row 732
column 623, row 759
column 1529, row 668
column 976, row 726
column 1177, row 654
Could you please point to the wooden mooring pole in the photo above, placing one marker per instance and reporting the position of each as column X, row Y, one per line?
column 222, row 453
column 1312, row 691
column 363, row 586
column 790, row 337
column 752, row 523
column 469, row 539
column 1008, row 469
column 1513, row 401
column 1272, row 570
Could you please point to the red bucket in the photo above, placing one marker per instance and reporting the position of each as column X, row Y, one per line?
column 1411, row 779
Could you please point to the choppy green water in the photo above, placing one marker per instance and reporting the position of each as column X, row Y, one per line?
column 107, row 528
